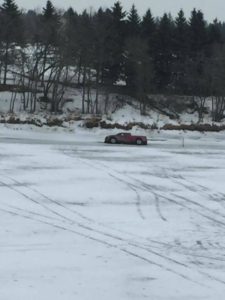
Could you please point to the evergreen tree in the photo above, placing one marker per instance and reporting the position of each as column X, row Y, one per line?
column 101, row 33
column 50, row 24
column 133, row 22
column 148, row 25
column 133, row 27
column 68, row 36
column 10, row 31
column 49, row 11
column 11, row 23
column 222, row 31
column 32, row 27
column 139, row 70
column 180, row 36
column 118, row 13
column 49, row 34
column 86, row 39
column 198, row 34
column 164, row 52
column 214, row 33
column 214, row 37
column 148, row 32
column 181, row 47
column 198, row 50
column 101, row 25
column 10, row 8
column 115, row 43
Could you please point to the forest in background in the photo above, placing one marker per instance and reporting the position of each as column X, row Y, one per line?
column 43, row 53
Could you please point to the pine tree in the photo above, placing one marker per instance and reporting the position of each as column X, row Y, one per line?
column 198, row 34
column 148, row 25
column 214, row 37
column 164, row 51
column 50, row 24
column 101, row 24
column 214, row 33
column 181, row 47
column 148, row 32
column 49, row 33
column 10, row 30
column 115, row 43
column 68, row 36
column 32, row 27
column 10, row 8
column 222, row 30
column 133, row 22
column 48, row 11
column 101, row 32
column 133, row 30
column 180, row 36
column 117, row 13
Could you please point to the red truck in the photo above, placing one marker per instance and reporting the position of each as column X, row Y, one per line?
column 126, row 138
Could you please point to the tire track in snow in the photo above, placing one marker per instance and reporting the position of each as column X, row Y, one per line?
column 149, row 188
column 146, row 187
column 127, row 250
column 110, row 240
column 130, row 186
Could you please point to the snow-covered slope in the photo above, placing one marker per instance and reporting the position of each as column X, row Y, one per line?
column 119, row 110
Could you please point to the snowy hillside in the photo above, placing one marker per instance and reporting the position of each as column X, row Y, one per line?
column 121, row 110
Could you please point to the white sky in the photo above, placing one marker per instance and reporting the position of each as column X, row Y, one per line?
column 211, row 8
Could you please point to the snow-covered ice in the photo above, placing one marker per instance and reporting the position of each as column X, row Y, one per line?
column 80, row 219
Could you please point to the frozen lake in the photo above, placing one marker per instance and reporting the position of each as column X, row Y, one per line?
column 83, row 220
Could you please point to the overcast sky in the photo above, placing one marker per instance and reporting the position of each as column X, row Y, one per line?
column 211, row 8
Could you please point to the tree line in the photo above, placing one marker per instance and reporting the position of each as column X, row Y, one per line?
column 49, row 50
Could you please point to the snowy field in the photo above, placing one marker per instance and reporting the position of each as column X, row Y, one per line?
column 82, row 220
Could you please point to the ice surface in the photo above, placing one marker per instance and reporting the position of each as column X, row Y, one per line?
column 80, row 219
